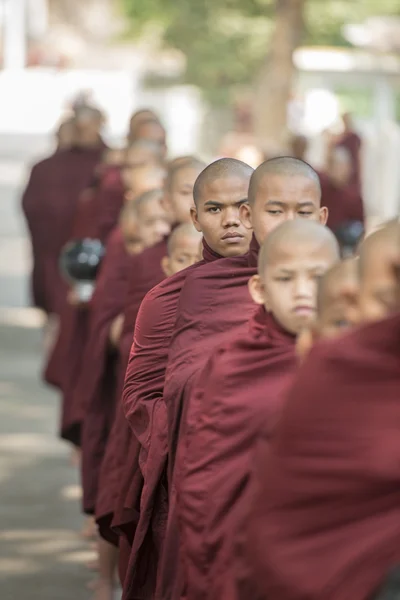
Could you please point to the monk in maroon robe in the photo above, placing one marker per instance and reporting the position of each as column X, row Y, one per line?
column 350, row 140
column 241, row 387
column 341, row 197
column 326, row 511
column 146, row 273
column 215, row 303
column 143, row 399
column 49, row 204
column 76, row 326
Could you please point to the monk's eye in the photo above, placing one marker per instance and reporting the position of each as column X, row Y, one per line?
column 214, row 210
column 305, row 213
column 340, row 323
column 274, row 212
column 284, row 278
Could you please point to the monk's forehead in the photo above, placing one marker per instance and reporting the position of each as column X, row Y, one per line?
column 185, row 242
column 225, row 185
column 293, row 184
column 185, row 174
column 284, row 250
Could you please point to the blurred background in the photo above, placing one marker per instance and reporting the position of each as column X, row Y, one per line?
column 247, row 79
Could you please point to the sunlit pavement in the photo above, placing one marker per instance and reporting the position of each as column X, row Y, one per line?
column 41, row 554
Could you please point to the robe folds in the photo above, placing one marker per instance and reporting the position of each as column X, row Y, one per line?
column 145, row 272
column 145, row 410
column 96, row 215
column 325, row 523
column 352, row 142
column 214, row 305
column 239, row 390
column 49, row 204
column 344, row 204
column 76, row 331
column 95, row 392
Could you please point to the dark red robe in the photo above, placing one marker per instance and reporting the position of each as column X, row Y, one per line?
column 97, row 214
column 49, row 203
column 75, row 329
column 344, row 204
column 145, row 273
column 94, row 393
column 352, row 142
column 326, row 519
column 240, row 388
column 145, row 411
column 214, row 303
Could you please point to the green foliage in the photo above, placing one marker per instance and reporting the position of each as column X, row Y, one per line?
column 225, row 41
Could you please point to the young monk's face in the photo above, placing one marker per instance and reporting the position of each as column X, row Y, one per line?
column 142, row 179
column 130, row 233
column 185, row 252
column 281, row 198
column 152, row 131
column 337, row 312
column 153, row 223
column 218, row 215
column 378, row 283
column 290, row 283
column 179, row 198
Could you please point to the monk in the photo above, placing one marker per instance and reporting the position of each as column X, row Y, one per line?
column 241, row 387
column 324, row 520
column 145, row 274
column 143, row 114
column 152, row 221
column 142, row 224
column 144, row 382
column 340, row 195
column 151, row 129
column 51, row 197
column 351, row 141
column 215, row 302
column 98, row 211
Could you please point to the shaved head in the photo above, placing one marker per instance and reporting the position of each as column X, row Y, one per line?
column 146, row 198
column 182, row 233
column 285, row 166
column 187, row 162
column 379, row 265
column 299, row 233
column 381, row 245
column 183, row 249
column 221, row 169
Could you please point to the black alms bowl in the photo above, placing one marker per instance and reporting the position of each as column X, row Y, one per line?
column 80, row 260
column 349, row 235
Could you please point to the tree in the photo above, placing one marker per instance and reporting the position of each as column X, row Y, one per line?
column 228, row 43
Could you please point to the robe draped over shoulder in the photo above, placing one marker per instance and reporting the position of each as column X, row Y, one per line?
column 325, row 520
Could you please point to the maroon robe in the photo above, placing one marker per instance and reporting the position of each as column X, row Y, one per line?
column 96, row 215
column 49, row 204
column 95, row 390
column 344, row 204
column 145, row 411
column 325, row 522
column 145, row 273
column 74, row 332
column 352, row 142
column 240, row 388
column 214, row 303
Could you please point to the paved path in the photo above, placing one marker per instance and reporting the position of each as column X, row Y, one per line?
column 41, row 554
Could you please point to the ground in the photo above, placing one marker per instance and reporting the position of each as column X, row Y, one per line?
column 41, row 554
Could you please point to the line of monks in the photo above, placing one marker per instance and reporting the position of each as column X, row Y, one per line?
column 233, row 384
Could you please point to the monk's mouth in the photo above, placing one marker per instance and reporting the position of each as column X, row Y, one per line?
column 232, row 238
column 304, row 310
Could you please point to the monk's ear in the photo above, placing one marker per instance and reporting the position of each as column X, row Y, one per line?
column 245, row 215
column 195, row 219
column 166, row 266
column 323, row 215
column 305, row 341
column 256, row 289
